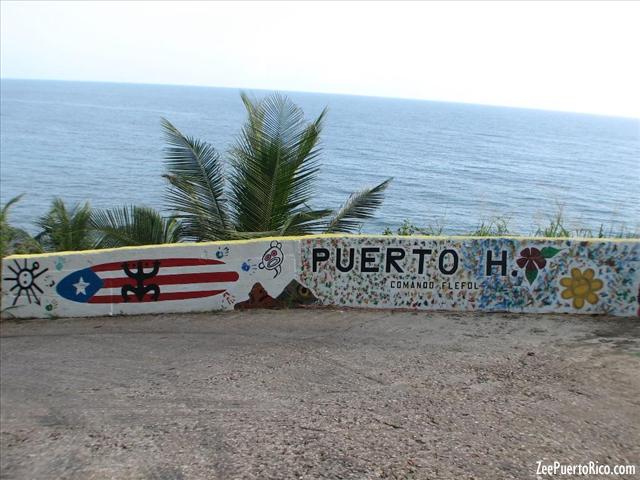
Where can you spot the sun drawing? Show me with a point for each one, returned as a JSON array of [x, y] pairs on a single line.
[[26, 280]]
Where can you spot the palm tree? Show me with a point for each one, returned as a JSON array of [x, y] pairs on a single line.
[[81, 228], [66, 229], [273, 167], [12, 239], [133, 225]]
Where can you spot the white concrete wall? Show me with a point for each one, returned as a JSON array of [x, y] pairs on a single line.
[[190, 277], [424, 273], [468, 274]]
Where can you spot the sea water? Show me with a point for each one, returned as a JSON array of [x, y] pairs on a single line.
[[452, 164]]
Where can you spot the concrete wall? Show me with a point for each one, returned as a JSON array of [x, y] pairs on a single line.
[[424, 273]]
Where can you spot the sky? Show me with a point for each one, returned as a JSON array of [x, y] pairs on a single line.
[[573, 56]]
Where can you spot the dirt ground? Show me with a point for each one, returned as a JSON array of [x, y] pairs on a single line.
[[317, 394]]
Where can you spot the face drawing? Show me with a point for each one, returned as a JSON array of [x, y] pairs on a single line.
[[272, 259]]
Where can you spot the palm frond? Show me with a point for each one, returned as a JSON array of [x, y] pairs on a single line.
[[15, 240], [134, 225], [236, 235], [4, 212], [66, 229], [360, 206], [306, 222], [274, 164], [196, 192]]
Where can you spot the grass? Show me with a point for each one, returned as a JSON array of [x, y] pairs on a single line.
[[496, 227], [407, 228], [556, 227]]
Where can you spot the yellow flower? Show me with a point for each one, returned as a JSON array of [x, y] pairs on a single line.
[[581, 286]]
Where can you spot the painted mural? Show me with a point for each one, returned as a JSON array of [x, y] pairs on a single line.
[[176, 278], [486, 274], [421, 273]]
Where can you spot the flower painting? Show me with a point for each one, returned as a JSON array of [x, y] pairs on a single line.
[[581, 286], [532, 260]]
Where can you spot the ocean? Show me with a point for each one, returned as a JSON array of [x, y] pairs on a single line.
[[453, 164]]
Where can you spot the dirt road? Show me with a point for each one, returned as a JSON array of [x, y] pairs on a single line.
[[317, 394]]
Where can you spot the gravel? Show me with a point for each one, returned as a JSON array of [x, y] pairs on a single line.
[[340, 394]]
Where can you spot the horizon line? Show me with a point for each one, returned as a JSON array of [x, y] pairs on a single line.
[[168, 84]]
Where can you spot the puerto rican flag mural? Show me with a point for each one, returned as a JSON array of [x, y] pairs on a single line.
[[198, 277], [148, 280]]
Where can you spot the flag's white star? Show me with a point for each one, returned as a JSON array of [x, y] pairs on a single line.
[[81, 287]]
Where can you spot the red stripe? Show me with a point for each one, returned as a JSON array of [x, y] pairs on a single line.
[[164, 262], [177, 279], [149, 298]]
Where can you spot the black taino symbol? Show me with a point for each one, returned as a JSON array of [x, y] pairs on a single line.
[[140, 290], [26, 280]]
